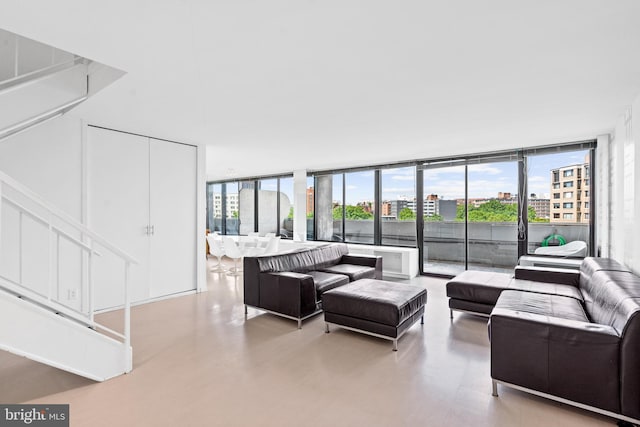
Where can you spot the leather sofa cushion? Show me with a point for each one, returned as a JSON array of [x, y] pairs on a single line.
[[612, 297], [298, 262], [378, 301], [590, 265], [485, 287], [355, 272], [327, 281], [541, 304], [327, 255], [303, 260]]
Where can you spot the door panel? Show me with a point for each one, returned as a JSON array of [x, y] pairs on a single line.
[[173, 217], [118, 202]]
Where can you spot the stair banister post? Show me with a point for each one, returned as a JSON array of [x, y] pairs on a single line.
[[90, 292]]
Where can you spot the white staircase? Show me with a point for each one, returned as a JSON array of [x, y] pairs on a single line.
[[47, 257], [39, 320]]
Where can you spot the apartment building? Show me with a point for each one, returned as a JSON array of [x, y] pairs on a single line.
[[570, 201]]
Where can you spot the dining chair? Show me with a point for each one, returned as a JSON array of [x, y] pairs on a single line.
[[232, 251], [217, 250]]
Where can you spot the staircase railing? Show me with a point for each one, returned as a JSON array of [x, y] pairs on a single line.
[[61, 227]]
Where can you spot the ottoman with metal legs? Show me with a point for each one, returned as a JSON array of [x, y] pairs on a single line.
[[375, 307]]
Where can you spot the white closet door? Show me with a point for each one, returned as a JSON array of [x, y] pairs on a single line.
[[173, 217], [118, 204]]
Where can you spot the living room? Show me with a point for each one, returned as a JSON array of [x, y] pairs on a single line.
[[327, 97]]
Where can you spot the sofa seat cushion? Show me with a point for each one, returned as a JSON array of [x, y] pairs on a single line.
[[485, 287], [377, 301], [478, 286], [548, 305], [327, 281], [355, 272]]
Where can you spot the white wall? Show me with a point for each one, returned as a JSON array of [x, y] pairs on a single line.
[[620, 226], [49, 159]]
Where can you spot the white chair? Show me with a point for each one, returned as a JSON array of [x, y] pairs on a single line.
[[272, 245], [271, 248], [269, 235], [217, 250], [232, 251], [577, 248]]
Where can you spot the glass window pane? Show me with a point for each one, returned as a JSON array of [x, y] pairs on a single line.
[[232, 207], [310, 206], [267, 206], [564, 216], [336, 210], [493, 216], [359, 209], [328, 207], [444, 250], [399, 206], [246, 209], [214, 208], [286, 208]]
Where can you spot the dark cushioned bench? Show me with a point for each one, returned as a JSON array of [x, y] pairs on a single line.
[[478, 291], [375, 307]]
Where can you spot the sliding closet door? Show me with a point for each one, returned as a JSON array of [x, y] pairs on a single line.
[[118, 203], [172, 217]]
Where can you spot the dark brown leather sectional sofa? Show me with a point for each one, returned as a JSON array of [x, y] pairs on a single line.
[[291, 285], [581, 349]]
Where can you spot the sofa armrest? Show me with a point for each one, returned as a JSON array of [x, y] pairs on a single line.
[[572, 359], [374, 261], [564, 276], [288, 293]]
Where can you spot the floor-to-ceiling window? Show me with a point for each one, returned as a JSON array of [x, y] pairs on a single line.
[[310, 207], [444, 242], [492, 215], [214, 208], [247, 207], [359, 206], [268, 206], [286, 207], [232, 207], [559, 203], [399, 206], [471, 212]]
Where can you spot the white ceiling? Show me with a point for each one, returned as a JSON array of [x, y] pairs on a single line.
[[281, 85]]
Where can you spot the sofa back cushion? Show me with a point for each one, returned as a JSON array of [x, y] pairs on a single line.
[[296, 262], [590, 265], [303, 260], [328, 255]]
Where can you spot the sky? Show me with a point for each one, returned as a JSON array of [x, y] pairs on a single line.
[[485, 180]]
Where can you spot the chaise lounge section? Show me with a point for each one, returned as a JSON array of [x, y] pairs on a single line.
[[291, 285], [580, 351]]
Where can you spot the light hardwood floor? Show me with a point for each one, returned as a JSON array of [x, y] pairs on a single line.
[[197, 362]]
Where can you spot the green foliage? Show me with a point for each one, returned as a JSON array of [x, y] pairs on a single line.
[[433, 218], [290, 216], [406, 214], [309, 215], [337, 213], [234, 214], [352, 212], [494, 211]]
